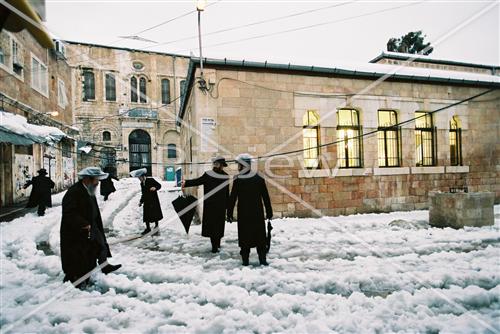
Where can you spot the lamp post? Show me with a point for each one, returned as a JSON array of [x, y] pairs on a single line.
[[200, 6]]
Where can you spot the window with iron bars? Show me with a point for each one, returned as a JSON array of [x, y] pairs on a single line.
[[311, 135], [455, 141], [425, 139], [389, 149], [349, 145]]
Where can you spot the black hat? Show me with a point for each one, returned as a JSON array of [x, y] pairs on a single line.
[[220, 160], [42, 171]]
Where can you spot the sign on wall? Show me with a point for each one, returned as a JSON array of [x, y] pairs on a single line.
[[22, 173], [69, 171], [208, 135]]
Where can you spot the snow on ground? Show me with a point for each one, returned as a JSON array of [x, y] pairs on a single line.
[[362, 273]]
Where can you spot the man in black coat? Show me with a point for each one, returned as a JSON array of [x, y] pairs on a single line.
[[216, 193], [107, 186], [82, 234], [250, 190], [41, 191], [152, 210]]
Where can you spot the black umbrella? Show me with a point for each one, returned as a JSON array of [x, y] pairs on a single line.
[[269, 229], [185, 208]]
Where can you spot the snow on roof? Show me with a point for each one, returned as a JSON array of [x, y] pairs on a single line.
[[37, 133], [429, 59]]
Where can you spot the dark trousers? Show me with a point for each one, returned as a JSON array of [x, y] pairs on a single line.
[[245, 252], [215, 242], [98, 239], [41, 209], [106, 197]]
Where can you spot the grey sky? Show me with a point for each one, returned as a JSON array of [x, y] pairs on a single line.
[[350, 38]]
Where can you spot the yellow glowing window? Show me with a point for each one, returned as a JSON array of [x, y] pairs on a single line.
[[310, 133], [424, 139], [455, 141], [388, 139], [348, 138]]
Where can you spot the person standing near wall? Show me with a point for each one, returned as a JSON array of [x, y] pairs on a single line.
[[216, 193], [41, 191], [250, 191]]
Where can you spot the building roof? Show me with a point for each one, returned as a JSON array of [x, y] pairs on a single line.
[[431, 60], [362, 71], [125, 49]]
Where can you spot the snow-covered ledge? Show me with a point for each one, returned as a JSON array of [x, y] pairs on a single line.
[[337, 172], [428, 170], [391, 171], [308, 173], [457, 169]]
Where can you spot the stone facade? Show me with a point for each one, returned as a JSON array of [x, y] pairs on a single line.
[[121, 117], [35, 83], [260, 110]]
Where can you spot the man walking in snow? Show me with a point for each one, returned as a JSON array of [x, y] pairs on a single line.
[[41, 191], [107, 186], [216, 193], [250, 190], [152, 210], [82, 234]]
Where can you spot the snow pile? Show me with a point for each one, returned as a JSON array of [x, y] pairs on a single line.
[[363, 273], [37, 133]]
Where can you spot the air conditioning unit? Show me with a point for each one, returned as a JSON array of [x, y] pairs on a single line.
[[60, 49]]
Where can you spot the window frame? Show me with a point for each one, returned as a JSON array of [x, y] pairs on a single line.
[[429, 129], [457, 131], [105, 77], [384, 130], [164, 101], [357, 138], [84, 85], [38, 74], [134, 96], [14, 41], [316, 150], [104, 133], [171, 147], [143, 97]]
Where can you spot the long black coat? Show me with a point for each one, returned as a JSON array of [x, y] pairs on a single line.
[[216, 195], [78, 253], [107, 186], [149, 199], [41, 191], [250, 190]]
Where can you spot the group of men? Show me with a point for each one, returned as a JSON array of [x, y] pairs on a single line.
[[83, 240]]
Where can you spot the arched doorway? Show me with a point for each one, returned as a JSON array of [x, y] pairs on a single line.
[[139, 143]]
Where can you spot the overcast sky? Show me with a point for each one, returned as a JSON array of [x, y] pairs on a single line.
[[345, 31]]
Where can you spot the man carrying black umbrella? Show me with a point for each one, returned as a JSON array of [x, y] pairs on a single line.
[[216, 193], [250, 190], [41, 192]]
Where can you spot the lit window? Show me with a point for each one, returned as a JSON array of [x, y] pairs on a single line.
[[110, 83], [133, 89], [106, 136], [39, 76], [88, 85], [310, 133], [388, 139], [424, 139], [455, 141], [348, 136], [165, 91], [142, 89], [171, 151]]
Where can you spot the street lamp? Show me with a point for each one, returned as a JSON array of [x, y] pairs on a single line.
[[200, 6]]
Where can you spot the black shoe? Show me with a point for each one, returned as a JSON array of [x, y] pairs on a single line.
[[110, 268], [245, 262], [156, 232], [146, 231], [263, 263]]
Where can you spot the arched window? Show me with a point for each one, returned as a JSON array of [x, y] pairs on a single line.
[[142, 89], [171, 151], [455, 141], [348, 136], [310, 133], [165, 91], [88, 85], [106, 136], [388, 139], [424, 139], [133, 89]]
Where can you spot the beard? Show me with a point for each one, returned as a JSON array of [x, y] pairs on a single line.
[[91, 188]]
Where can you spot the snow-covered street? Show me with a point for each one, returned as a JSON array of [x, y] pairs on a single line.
[[362, 273]]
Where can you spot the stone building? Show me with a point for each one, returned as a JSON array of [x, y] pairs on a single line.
[[356, 145], [35, 84], [126, 102]]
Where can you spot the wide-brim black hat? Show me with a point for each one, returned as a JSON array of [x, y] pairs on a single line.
[[220, 160], [42, 171]]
